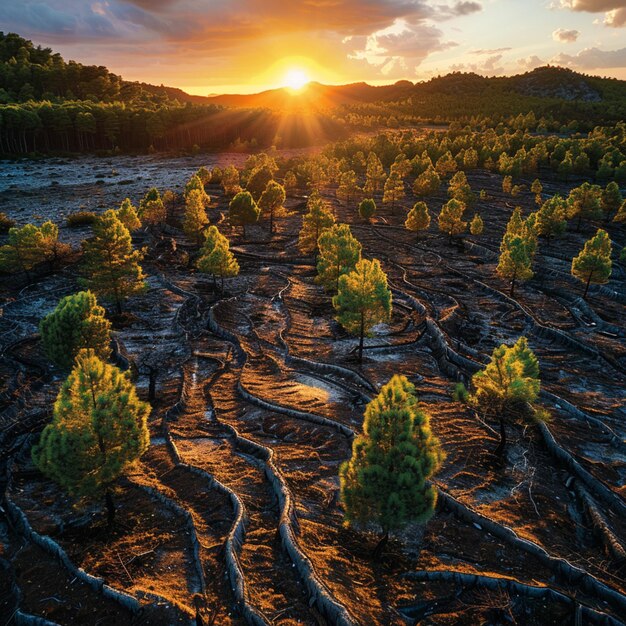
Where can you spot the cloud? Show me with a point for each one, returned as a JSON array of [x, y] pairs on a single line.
[[398, 50], [563, 35], [614, 10], [593, 59], [616, 18], [489, 67], [530, 63], [490, 51]]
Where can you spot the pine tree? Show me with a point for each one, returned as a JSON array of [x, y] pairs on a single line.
[[258, 181], [517, 249], [515, 262], [537, 188], [611, 200], [507, 385], [76, 323], [243, 210], [195, 184], [111, 265], [339, 252], [272, 200], [205, 176], [620, 216], [459, 189], [593, 263], [374, 174], [394, 190], [401, 166], [127, 214], [476, 225], [363, 300], [348, 188], [451, 219], [98, 430], [195, 218], [551, 218], [367, 209], [446, 164], [584, 203], [30, 245], [418, 218], [151, 208], [427, 183], [507, 184], [216, 258], [290, 182], [230, 180], [317, 218], [386, 481]]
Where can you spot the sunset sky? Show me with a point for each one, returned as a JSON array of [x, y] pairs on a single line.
[[217, 46]]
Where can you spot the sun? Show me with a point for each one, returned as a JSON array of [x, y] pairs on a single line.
[[296, 79]]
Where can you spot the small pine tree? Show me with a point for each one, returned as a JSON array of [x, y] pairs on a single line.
[[151, 208], [374, 174], [418, 218], [290, 182], [98, 430], [76, 323], [451, 219], [216, 258], [317, 218], [243, 210], [620, 216], [111, 265], [394, 190], [258, 181], [195, 184], [515, 262], [507, 184], [348, 188], [537, 188], [427, 183], [230, 180], [593, 263], [446, 164], [367, 209], [551, 218], [204, 175], [507, 385], [272, 200], [127, 214], [386, 481], [363, 300], [195, 218], [29, 246], [459, 189], [611, 200], [339, 252], [584, 203], [476, 225]]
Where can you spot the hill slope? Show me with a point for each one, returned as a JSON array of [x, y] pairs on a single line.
[[544, 82]]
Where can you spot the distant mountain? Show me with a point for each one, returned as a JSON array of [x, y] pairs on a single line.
[[543, 82]]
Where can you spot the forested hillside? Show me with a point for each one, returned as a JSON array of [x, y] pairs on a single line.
[[49, 105]]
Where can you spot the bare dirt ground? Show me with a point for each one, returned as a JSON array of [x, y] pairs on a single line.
[[233, 517]]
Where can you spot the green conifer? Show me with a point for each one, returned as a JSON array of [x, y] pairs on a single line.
[[76, 323]]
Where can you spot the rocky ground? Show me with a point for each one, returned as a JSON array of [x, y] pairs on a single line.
[[232, 516]]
